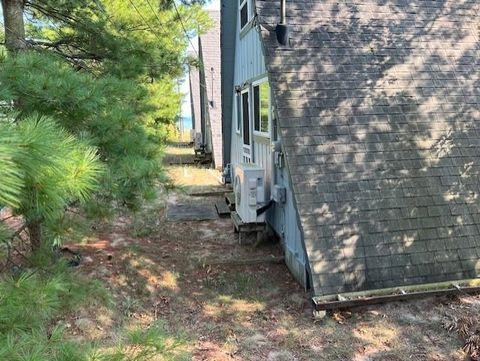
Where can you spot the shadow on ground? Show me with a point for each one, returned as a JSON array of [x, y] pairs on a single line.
[[181, 273]]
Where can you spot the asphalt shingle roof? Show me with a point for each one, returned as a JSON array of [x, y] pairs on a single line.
[[378, 104]]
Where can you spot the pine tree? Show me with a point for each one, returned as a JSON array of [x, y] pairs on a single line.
[[106, 72], [45, 169]]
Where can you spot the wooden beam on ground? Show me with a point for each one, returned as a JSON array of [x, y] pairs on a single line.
[[207, 194], [243, 262], [222, 209], [357, 299], [181, 162], [245, 228], [181, 144], [230, 199]]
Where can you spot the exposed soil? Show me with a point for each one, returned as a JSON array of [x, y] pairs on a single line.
[[160, 270]]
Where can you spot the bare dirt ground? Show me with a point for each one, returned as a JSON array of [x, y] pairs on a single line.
[[159, 270]]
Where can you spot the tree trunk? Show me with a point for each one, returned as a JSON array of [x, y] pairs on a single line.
[[35, 233], [14, 25]]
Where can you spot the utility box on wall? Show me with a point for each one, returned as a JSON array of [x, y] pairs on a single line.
[[279, 194]]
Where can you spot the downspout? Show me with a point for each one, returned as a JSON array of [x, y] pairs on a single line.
[[282, 28], [283, 11]]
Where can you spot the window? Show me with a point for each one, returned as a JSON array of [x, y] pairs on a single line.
[[244, 13], [239, 112], [245, 119], [261, 108]]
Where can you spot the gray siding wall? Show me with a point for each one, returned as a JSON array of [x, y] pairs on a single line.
[[284, 220], [250, 67], [228, 25]]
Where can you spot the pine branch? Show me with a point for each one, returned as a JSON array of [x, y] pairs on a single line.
[[52, 13], [46, 43]]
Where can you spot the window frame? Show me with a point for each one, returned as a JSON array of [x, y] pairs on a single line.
[[242, 126], [248, 4], [260, 133]]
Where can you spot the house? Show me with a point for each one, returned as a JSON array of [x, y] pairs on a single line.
[[205, 93], [369, 116]]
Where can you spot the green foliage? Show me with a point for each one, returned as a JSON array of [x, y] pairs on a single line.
[[153, 343], [124, 38], [29, 305], [45, 169], [40, 345], [5, 234], [57, 291], [108, 72], [10, 172], [32, 304], [94, 99], [106, 111]]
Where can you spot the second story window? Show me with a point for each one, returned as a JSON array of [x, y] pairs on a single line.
[[244, 13]]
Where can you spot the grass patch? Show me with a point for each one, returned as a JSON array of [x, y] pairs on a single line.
[[153, 343], [146, 223], [34, 306], [236, 284]]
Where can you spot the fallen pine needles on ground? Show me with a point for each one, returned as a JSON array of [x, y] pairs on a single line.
[[465, 321]]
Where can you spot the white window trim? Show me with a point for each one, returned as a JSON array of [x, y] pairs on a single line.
[[259, 133], [249, 14]]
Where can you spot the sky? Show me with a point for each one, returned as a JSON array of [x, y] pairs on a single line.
[[186, 108]]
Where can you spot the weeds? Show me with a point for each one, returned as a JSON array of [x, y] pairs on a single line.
[[33, 308], [30, 308], [236, 284], [154, 343], [147, 221]]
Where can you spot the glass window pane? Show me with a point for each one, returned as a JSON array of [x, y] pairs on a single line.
[[246, 119], [239, 112], [244, 15], [256, 108], [265, 108]]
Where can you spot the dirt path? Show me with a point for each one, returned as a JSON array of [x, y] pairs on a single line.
[[158, 270]]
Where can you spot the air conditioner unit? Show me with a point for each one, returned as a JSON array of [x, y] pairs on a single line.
[[227, 174], [198, 141], [249, 188]]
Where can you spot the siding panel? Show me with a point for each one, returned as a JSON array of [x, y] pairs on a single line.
[[249, 66]]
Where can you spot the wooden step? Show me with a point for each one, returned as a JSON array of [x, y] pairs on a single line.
[[230, 199], [222, 209]]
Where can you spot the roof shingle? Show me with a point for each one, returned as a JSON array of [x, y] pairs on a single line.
[[379, 110]]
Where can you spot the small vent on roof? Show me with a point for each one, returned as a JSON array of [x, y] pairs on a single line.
[[282, 28]]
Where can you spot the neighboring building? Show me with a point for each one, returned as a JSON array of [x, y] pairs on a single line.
[[374, 112], [205, 92]]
